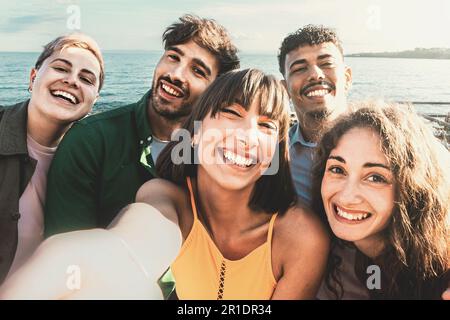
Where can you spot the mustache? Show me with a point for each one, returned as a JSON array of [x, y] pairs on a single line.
[[323, 83], [176, 83]]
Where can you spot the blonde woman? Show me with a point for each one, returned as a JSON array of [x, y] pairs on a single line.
[[64, 85]]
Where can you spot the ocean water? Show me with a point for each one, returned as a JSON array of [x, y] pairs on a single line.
[[129, 75]]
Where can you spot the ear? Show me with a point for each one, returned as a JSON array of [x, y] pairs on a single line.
[[348, 79], [284, 83], [33, 73]]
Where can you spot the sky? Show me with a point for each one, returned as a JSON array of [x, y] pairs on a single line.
[[257, 26]]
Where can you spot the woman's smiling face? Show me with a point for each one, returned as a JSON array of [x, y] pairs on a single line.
[[65, 87], [237, 145], [358, 188]]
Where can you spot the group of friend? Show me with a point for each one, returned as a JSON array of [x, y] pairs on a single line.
[[355, 185]]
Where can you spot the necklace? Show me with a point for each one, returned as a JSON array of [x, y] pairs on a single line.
[[161, 141]]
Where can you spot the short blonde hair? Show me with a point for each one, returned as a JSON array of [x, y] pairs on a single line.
[[78, 40]]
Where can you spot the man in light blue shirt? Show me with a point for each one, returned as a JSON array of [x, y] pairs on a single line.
[[301, 153], [311, 61]]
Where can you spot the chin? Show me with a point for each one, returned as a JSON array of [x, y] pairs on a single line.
[[350, 234], [347, 236], [70, 115], [234, 183]]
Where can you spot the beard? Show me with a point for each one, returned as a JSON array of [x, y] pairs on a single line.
[[166, 109], [319, 115]]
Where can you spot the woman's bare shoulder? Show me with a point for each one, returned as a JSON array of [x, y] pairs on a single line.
[[157, 188], [300, 226], [300, 251]]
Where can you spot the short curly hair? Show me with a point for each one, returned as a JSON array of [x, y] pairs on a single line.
[[309, 35], [206, 33]]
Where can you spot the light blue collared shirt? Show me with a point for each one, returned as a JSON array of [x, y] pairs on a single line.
[[301, 153], [157, 147]]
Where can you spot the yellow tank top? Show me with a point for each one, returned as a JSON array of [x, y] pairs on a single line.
[[201, 272]]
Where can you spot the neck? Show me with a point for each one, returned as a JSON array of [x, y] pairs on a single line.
[[162, 127], [224, 209], [45, 131], [311, 128], [372, 246]]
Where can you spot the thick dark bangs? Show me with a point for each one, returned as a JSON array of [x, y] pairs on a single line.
[[274, 103], [244, 87]]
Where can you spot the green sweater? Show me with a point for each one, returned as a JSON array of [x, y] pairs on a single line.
[[96, 170]]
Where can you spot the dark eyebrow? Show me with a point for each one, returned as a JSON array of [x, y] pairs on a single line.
[[303, 61], [371, 165], [298, 61], [366, 165], [196, 60], [337, 158], [70, 64], [176, 49], [62, 60], [324, 56]]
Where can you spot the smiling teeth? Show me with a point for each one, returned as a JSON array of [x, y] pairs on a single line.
[[237, 159], [170, 90], [352, 217], [65, 95], [317, 93]]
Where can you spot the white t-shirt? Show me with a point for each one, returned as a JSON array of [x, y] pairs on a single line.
[[31, 205]]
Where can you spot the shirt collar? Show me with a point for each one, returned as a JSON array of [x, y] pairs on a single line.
[[296, 136], [13, 130]]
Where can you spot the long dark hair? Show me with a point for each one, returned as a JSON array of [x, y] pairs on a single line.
[[415, 261], [272, 193]]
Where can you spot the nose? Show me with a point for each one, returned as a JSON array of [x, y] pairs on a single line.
[[350, 194], [315, 73], [248, 134], [71, 80], [178, 74]]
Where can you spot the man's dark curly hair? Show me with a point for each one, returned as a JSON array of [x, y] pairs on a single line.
[[309, 35], [208, 34]]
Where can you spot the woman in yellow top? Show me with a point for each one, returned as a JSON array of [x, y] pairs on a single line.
[[243, 235]]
